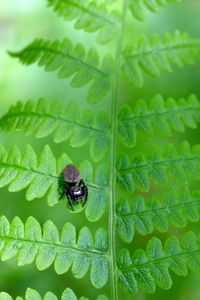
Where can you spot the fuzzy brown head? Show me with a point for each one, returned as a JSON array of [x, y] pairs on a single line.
[[71, 174]]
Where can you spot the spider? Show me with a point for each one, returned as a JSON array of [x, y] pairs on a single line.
[[74, 187]]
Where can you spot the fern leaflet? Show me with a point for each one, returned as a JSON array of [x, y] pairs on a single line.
[[40, 119], [90, 16], [158, 167], [176, 209], [67, 294], [71, 61], [28, 244], [138, 7], [41, 176], [161, 116], [146, 270], [151, 56]]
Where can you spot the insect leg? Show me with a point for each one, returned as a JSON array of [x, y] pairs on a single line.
[[61, 185], [62, 195], [81, 182], [69, 200], [85, 192]]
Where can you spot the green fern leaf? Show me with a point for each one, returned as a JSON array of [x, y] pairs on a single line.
[[176, 209], [158, 167], [6, 296], [40, 119], [29, 243], [139, 7], [160, 117], [71, 61], [89, 16], [146, 270], [151, 56], [68, 294], [41, 176]]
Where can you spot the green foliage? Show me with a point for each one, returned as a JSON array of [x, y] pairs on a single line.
[[40, 119], [68, 294], [158, 166], [96, 128], [176, 209], [29, 243], [90, 16], [41, 176], [160, 117], [138, 7], [68, 123], [155, 54], [71, 61], [146, 270]]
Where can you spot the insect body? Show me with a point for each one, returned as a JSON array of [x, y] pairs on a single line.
[[74, 187]]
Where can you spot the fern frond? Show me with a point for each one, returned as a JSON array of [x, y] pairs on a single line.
[[146, 270], [41, 119], [42, 176], [138, 7], [29, 243], [90, 16], [158, 167], [158, 54], [71, 61], [176, 209], [68, 294], [160, 117]]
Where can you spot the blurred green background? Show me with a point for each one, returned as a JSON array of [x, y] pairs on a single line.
[[22, 21]]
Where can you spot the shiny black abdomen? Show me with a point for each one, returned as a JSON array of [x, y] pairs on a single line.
[[76, 192]]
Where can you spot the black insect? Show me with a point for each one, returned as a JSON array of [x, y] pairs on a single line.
[[74, 187]]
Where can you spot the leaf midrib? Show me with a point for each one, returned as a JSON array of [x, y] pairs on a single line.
[[159, 162], [54, 177], [159, 260], [53, 245], [90, 12], [63, 54], [157, 113], [162, 49], [166, 208], [48, 116]]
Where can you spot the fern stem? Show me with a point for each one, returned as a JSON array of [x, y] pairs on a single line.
[[112, 219]]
